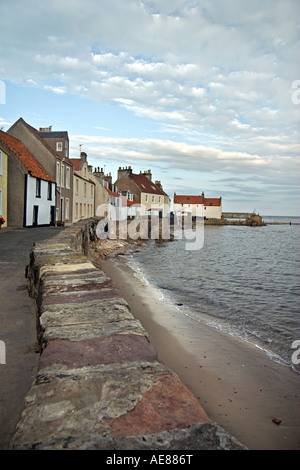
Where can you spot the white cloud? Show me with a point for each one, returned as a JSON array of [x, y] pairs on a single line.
[[214, 74]]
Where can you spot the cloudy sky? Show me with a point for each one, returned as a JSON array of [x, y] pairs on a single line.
[[206, 93]]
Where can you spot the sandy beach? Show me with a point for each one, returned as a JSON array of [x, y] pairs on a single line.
[[237, 384]]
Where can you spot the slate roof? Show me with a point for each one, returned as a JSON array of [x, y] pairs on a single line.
[[17, 148], [147, 186], [54, 134]]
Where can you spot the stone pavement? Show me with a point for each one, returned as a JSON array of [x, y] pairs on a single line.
[[17, 324], [99, 383]]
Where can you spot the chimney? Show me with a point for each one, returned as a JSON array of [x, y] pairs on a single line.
[[158, 184], [83, 157], [124, 172], [148, 174], [108, 178], [99, 173]]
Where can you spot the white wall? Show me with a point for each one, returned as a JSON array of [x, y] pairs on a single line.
[[44, 205]]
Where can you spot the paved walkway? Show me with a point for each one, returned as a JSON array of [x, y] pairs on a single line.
[[17, 324]]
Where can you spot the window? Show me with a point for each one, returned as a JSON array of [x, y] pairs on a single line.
[[92, 190], [153, 198], [146, 198], [77, 186], [38, 188], [68, 177], [67, 207], [0, 201], [62, 176], [58, 173], [0, 162], [159, 199], [59, 146], [49, 191], [76, 210], [66, 149], [84, 189]]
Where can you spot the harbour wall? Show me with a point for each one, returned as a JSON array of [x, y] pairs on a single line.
[[100, 384]]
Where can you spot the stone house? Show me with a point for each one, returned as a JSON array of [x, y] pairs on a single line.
[[58, 167], [139, 188], [84, 189], [30, 189]]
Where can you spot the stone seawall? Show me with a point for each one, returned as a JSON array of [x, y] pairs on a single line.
[[100, 384]]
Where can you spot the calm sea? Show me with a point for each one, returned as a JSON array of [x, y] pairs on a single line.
[[245, 281]]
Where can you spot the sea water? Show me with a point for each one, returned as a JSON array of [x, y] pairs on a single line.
[[244, 281]]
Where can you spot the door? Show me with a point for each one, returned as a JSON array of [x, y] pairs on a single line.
[[35, 216], [52, 215]]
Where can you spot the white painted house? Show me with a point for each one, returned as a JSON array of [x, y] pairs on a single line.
[[30, 190]]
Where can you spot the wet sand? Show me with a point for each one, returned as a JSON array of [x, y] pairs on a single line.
[[237, 384]]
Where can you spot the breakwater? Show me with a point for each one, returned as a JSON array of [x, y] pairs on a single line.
[[100, 384]]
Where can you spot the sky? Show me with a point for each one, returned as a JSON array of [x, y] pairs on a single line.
[[205, 93]]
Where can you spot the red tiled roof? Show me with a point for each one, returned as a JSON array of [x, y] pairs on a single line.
[[111, 193], [212, 201], [147, 186], [28, 160], [76, 162], [188, 199]]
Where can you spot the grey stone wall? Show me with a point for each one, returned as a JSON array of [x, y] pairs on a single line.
[[100, 384]]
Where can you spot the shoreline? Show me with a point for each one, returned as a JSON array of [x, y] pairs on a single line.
[[238, 385]]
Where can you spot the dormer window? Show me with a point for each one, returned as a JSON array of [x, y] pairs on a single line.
[[59, 146]]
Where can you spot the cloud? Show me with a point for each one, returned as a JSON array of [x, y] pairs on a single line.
[[213, 78]]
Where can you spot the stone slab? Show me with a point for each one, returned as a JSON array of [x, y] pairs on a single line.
[[106, 311], [108, 350], [70, 402], [80, 332]]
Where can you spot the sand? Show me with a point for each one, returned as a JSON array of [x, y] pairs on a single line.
[[237, 384]]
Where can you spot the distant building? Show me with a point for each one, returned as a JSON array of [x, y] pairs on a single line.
[[84, 189], [198, 206], [56, 164], [213, 208], [144, 193], [106, 191], [30, 189], [189, 205]]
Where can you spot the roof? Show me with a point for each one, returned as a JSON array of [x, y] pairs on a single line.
[[54, 134], [212, 201], [36, 133], [20, 151], [147, 186], [188, 199], [111, 193], [76, 162]]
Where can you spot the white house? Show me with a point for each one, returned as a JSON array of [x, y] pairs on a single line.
[[30, 190], [213, 208], [188, 205]]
